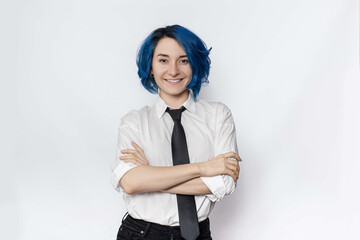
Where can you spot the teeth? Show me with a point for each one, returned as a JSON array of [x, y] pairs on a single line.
[[173, 80]]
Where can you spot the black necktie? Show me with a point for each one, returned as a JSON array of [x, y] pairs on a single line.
[[189, 225]]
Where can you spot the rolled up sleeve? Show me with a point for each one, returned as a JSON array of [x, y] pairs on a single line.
[[216, 186], [127, 132], [224, 141]]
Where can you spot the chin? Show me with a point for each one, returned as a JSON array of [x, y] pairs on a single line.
[[174, 92]]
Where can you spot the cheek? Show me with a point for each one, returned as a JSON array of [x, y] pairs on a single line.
[[157, 69], [187, 70]]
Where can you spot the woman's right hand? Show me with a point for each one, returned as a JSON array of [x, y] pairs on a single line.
[[221, 164]]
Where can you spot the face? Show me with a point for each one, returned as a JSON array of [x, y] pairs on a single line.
[[171, 68]]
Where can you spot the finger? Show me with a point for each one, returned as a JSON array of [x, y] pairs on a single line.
[[134, 158], [231, 174], [235, 175], [234, 169], [125, 157], [139, 157], [132, 151], [232, 162], [237, 172], [231, 165], [130, 157], [236, 156], [134, 161], [137, 147], [134, 154], [131, 161], [129, 151], [140, 151], [232, 155], [143, 161]]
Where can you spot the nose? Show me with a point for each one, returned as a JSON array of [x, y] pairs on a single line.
[[173, 69]]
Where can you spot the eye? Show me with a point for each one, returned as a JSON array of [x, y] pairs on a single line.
[[162, 60], [184, 61]]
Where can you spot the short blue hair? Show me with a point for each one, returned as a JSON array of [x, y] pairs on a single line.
[[195, 48]]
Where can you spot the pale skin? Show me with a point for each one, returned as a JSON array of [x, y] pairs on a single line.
[[170, 63], [181, 179]]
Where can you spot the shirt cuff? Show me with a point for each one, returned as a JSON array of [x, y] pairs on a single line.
[[118, 173], [216, 186]]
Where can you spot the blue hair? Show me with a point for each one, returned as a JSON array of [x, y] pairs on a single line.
[[196, 51]]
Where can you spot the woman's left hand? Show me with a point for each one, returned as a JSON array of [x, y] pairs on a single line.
[[135, 156]]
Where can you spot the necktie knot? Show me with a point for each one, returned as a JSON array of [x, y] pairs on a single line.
[[175, 113]]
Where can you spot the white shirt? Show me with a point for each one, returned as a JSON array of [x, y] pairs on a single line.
[[210, 131]]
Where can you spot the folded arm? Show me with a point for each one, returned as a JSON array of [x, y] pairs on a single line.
[[194, 186], [132, 173], [180, 179], [152, 179], [216, 187]]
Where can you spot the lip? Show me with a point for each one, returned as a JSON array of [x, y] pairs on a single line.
[[174, 83]]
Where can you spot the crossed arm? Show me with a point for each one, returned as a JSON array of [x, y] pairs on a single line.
[[180, 179]]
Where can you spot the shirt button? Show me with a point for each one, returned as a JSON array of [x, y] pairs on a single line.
[[142, 232]]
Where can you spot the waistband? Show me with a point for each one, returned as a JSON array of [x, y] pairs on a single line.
[[130, 221]]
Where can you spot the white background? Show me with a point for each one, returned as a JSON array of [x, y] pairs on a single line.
[[288, 70]]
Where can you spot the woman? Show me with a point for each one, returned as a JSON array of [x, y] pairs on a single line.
[[176, 158]]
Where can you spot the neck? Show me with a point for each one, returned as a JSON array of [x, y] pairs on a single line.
[[175, 101]]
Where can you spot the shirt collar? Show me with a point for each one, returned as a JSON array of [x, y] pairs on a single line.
[[160, 105]]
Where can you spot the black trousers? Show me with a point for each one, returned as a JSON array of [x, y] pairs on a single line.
[[134, 229]]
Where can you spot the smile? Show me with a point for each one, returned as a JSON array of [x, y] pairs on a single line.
[[173, 80]]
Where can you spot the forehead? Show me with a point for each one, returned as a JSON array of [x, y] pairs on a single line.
[[169, 46]]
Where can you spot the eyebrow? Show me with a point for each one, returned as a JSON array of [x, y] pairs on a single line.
[[165, 55]]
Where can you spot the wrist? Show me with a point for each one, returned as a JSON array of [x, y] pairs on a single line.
[[199, 168]]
